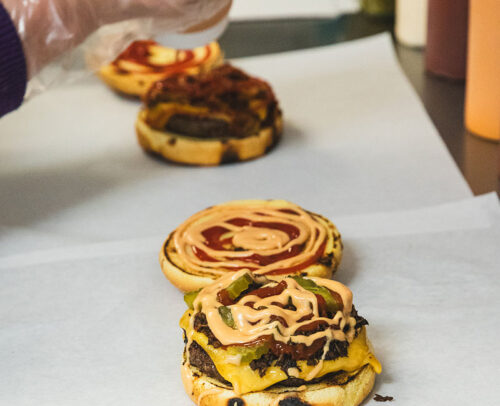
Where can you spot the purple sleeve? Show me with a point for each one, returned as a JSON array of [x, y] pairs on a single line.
[[13, 75]]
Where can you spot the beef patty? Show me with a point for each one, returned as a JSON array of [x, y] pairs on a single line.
[[201, 360]]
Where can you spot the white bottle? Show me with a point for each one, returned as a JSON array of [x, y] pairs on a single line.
[[411, 22]]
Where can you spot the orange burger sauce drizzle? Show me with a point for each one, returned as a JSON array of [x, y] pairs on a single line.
[[296, 351], [213, 240], [266, 240], [285, 316], [139, 53]]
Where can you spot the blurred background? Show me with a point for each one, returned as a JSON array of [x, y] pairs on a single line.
[[441, 45]]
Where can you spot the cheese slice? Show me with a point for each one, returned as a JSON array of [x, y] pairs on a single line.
[[244, 379]]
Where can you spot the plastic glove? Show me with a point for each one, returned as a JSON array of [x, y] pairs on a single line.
[[48, 28]]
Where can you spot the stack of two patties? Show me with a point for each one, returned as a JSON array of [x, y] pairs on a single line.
[[197, 110]]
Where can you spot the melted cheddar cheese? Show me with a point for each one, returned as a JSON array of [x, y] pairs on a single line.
[[244, 379]]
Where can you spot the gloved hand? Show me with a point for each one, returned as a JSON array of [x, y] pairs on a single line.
[[48, 28]]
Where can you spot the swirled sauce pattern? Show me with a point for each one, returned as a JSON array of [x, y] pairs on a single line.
[[287, 317], [255, 317], [150, 57], [266, 237], [258, 332]]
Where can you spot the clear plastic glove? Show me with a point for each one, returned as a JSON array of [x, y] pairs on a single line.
[[49, 28]]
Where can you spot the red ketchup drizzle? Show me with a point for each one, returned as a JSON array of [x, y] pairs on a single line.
[[264, 260], [223, 297], [203, 255], [213, 237], [299, 267], [313, 326], [321, 306], [292, 231], [138, 52], [268, 291], [297, 351], [213, 240]]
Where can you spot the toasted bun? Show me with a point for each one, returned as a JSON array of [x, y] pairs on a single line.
[[206, 152], [131, 84], [187, 282], [134, 79], [181, 279], [205, 391]]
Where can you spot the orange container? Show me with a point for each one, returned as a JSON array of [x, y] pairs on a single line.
[[482, 98]]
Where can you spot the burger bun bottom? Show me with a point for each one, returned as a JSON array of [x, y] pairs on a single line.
[[205, 391]]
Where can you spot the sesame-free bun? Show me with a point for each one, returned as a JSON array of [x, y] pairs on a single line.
[[206, 152], [205, 391], [185, 279]]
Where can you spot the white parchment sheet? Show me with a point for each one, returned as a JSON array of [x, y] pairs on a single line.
[[244, 10], [356, 141], [468, 214], [96, 327]]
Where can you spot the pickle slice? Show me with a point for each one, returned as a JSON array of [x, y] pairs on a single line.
[[227, 316], [190, 297], [239, 285], [248, 354], [332, 304]]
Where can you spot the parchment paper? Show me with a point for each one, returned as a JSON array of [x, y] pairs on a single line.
[[244, 10], [99, 327], [468, 214], [356, 141]]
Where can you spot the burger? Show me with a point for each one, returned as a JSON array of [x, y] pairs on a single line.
[[221, 116], [252, 341]]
